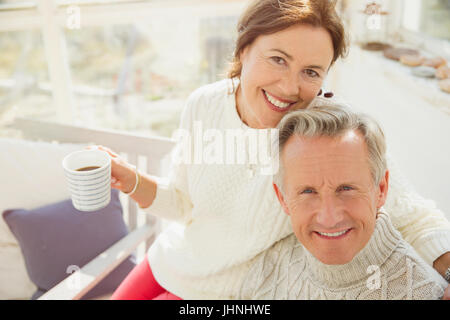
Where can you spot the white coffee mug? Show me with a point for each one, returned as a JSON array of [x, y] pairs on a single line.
[[88, 174]]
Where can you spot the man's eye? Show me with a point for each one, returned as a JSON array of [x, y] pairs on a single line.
[[311, 73], [278, 60], [307, 191], [346, 188]]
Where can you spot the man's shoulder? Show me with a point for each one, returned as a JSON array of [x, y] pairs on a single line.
[[261, 281], [270, 257], [409, 277], [287, 245]]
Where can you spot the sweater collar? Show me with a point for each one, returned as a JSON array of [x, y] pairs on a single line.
[[233, 85], [383, 242]]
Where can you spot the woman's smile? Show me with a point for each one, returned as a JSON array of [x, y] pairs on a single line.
[[277, 104]]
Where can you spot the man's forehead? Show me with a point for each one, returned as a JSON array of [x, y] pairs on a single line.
[[314, 161], [351, 143]]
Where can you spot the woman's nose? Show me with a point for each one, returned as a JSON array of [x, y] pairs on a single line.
[[290, 86]]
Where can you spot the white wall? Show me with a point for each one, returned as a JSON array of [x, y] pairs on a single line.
[[414, 114]]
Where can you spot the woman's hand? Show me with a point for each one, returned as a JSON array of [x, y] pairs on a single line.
[[123, 176]]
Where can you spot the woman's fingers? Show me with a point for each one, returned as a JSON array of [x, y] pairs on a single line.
[[120, 170], [111, 153], [103, 148], [116, 184]]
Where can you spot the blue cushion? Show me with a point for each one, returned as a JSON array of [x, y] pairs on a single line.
[[56, 239]]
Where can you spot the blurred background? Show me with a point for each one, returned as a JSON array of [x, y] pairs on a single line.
[[130, 65]]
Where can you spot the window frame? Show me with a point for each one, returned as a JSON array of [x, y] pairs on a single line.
[[419, 39]]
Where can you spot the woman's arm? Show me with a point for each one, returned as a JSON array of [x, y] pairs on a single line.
[[170, 198], [151, 194], [145, 192], [421, 224], [166, 199]]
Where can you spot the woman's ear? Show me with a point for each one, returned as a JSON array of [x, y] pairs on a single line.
[[281, 199], [242, 55], [383, 188]]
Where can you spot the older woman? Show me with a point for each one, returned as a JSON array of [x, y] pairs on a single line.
[[228, 213], [333, 185]]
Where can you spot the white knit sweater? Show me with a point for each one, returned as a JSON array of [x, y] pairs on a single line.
[[226, 216], [387, 268]]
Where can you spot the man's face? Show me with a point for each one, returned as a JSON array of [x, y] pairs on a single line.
[[330, 194]]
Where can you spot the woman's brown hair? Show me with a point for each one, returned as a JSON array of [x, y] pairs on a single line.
[[264, 17]]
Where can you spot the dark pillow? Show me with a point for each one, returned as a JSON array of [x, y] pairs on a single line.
[[54, 237]]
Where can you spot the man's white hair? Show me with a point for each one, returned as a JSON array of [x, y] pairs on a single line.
[[332, 119]]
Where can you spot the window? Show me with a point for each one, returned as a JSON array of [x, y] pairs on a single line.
[[431, 17], [24, 81], [426, 24], [16, 4], [128, 65]]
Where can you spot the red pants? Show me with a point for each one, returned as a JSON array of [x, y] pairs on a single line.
[[141, 285]]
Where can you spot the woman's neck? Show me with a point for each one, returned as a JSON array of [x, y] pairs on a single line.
[[243, 111]]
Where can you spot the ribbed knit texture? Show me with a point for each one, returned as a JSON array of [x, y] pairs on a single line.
[[289, 271], [226, 217]]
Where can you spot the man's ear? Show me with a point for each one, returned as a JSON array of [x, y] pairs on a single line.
[[383, 187], [281, 199]]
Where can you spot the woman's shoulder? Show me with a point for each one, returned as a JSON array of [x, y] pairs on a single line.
[[335, 100], [211, 91], [207, 97]]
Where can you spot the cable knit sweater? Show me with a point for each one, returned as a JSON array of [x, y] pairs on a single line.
[[227, 216], [387, 268]]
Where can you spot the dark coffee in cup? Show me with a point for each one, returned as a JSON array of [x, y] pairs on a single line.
[[87, 168], [89, 187]]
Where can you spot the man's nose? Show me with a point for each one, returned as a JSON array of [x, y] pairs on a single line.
[[330, 213]]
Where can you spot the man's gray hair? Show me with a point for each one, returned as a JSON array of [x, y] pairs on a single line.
[[332, 119]]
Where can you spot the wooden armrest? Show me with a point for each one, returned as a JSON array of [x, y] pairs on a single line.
[[81, 281]]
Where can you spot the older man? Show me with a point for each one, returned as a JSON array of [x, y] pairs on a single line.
[[333, 182]]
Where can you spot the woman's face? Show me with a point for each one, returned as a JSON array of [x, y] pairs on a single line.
[[281, 72]]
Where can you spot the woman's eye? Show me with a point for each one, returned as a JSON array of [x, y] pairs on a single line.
[[346, 188], [278, 60], [311, 73]]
